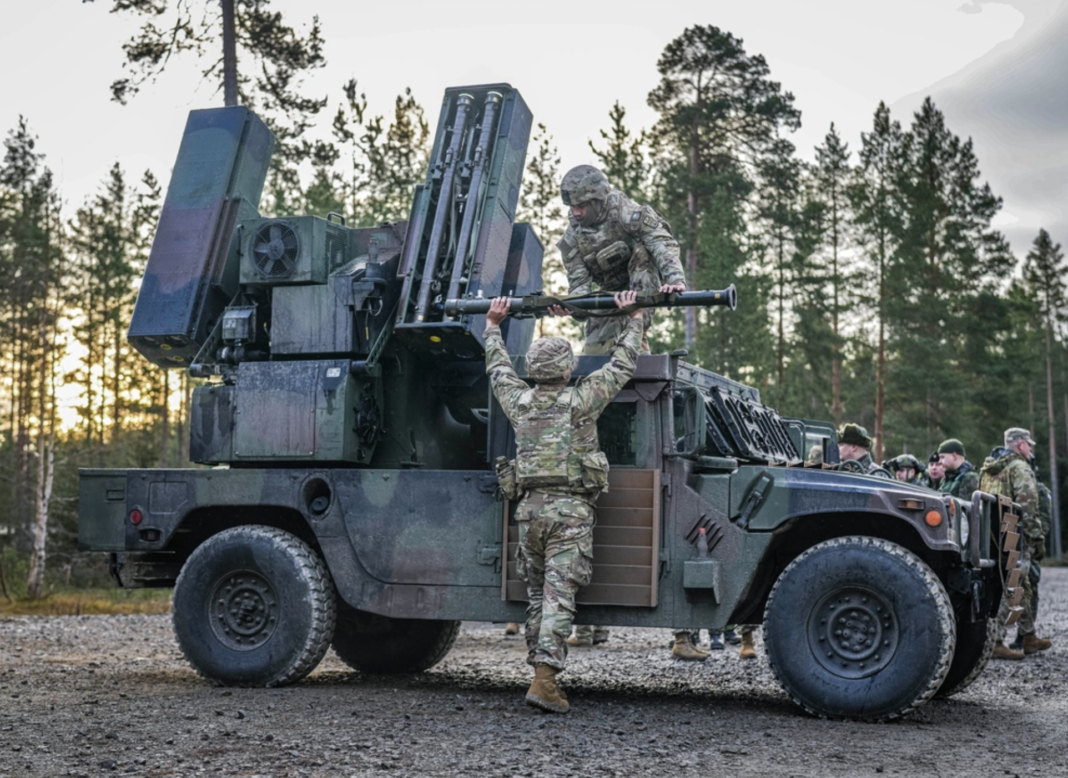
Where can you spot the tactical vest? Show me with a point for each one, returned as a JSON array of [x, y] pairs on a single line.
[[546, 455]]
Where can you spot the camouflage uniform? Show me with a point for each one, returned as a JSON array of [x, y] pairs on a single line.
[[1006, 472], [630, 247], [855, 435], [961, 483], [555, 554], [1045, 518]]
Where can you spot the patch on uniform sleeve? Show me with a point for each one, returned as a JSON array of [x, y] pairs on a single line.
[[650, 220], [635, 216]]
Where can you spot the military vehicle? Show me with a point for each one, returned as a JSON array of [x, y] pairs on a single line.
[[347, 435]]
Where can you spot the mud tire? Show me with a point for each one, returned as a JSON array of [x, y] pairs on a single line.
[[859, 628], [378, 644], [254, 606], [975, 644]]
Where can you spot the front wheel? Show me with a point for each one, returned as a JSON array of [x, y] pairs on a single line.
[[254, 606], [975, 644], [859, 628]]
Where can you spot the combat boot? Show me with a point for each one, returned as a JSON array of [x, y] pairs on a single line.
[[748, 650], [512, 628], [544, 693], [581, 636], [732, 637], [715, 641], [1001, 651], [685, 650], [1033, 643]]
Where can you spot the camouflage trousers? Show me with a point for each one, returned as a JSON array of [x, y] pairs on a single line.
[[596, 633], [555, 559], [1034, 576], [602, 331], [1026, 623]]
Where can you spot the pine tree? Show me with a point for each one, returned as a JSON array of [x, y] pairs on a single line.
[[719, 113], [623, 158], [1044, 272], [275, 57], [30, 245], [875, 199], [832, 176]]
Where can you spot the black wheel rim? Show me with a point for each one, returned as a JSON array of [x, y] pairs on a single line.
[[244, 610], [853, 632]]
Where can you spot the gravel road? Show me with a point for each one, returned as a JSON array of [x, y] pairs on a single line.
[[104, 695]]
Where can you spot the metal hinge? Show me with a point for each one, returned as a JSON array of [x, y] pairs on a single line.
[[490, 555]]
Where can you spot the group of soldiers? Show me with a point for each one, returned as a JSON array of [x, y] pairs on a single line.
[[625, 248], [1010, 470]]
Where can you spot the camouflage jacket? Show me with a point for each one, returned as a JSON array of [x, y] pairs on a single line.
[[961, 483], [927, 482], [601, 254], [1006, 472], [1045, 508], [588, 398]]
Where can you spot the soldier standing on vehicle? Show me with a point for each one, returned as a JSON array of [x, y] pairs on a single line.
[[559, 471], [853, 445], [616, 244], [1007, 472], [961, 477], [935, 474]]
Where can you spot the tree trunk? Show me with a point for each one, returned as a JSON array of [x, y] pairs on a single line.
[[880, 359], [690, 314], [1053, 483], [836, 359], [165, 437], [229, 54]]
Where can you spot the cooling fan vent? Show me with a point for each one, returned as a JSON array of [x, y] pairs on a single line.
[[275, 248]]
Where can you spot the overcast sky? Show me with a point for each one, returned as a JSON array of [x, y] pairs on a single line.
[[998, 69]]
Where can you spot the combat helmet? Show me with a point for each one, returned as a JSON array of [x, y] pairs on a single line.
[[549, 359], [584, 184]]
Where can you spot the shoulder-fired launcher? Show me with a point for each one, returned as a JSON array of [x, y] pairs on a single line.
[[537, 305]]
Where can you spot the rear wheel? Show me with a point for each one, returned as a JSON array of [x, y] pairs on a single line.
[[379, 644], [975, 644], [254, 606], [859, 628]]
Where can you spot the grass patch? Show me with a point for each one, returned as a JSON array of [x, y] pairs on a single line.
[[78, 602]]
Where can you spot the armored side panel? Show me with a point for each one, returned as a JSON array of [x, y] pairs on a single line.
[[211, 425], [192, 268], [313, 410]]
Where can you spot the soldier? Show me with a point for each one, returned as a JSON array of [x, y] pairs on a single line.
[[853, 445], [1006, 472], [906, 468], [935, 474], [617, 244], [961, 477], [1045, 518], [559, 471]]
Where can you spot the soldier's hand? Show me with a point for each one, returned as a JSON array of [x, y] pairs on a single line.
[[498, 310], [559, 310], [623, 299], [668, 288]]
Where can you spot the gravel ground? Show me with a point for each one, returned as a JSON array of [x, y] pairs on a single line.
[[101, 695]]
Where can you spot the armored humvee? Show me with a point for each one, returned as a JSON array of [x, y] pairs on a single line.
[[346, 433]]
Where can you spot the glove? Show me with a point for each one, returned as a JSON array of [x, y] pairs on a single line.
[[1038, 550]]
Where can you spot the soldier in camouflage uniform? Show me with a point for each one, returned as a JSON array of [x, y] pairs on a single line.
[[1007, 472], [905, 468], [1045, 518], [935, 474], [616, 244], [853, 445], [961, 478], [559, 472]]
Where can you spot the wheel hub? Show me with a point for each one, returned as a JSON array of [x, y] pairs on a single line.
[[853, 632], [244, 610]]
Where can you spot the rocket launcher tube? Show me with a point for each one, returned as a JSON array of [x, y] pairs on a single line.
[[450, 163], [596, 304], [471, 204]]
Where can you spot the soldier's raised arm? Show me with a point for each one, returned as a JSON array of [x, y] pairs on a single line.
[[579, 280], [594, 392], [506, 385], [662, 247]]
